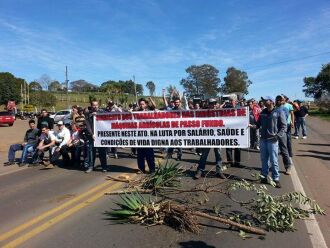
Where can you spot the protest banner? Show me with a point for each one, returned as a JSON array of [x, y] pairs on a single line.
[[181, 128]]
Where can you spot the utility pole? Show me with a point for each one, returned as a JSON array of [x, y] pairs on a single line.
[[22, 99], [67, 85], [24, 92], [136, 101], [28, 94]]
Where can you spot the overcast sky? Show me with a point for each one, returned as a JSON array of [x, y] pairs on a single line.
[[104, 40]]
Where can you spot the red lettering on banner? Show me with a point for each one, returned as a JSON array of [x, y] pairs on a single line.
[[124, 125], [188, 114], [194, 123], [155, 124], [212, 123], [127, 116], [208, 113], [111, 117], [174, 124], [241, 112]]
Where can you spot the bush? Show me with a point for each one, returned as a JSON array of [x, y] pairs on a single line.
[[42, 99]]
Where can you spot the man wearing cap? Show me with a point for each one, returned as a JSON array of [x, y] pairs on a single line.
[[272, 124], [205, 152], [62, 138]]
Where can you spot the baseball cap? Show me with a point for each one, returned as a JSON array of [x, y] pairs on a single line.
[[266, 98], [60, 123]]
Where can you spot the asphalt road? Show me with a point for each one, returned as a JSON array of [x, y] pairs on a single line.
[[65, 207]]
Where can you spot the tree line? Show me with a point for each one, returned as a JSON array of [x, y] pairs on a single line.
[[200, 80]]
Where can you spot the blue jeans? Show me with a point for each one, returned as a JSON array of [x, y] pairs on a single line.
[[12, 150], [205, 153], [28, 148], [90, 155], [269, 156], [18, 147], [289, 141], [300, 122]]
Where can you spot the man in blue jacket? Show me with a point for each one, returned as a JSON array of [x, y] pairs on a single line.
[[272, 124]]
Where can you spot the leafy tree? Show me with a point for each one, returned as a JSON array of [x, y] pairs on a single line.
[[82, 86], [320, 85], [172, 91], [10, 87], [128, 87], [202, 79], [151, 87], [124, 86], [35, 86], [236, 81], [42, 99], [44, 81], [139, 89], [55, 86]]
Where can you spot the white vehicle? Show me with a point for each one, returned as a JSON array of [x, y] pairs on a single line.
[[61, 115]]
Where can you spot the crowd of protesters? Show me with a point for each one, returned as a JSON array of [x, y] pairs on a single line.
[[272, 121]]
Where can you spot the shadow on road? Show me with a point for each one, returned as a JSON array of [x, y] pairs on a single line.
[[197, 244], [315, 151], [314, 144], [313, 156]]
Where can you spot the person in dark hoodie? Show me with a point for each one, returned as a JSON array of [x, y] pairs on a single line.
[[272, 124], [90, 155], [45, 120]]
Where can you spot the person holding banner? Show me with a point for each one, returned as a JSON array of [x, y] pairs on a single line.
[[90, 155], [229, 151], [205, 152], [145, 153], [177, 106], [272, 124]]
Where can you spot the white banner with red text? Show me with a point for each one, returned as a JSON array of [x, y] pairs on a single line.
[[180, 128]]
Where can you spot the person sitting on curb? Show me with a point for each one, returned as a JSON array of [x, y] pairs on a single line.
[[272, 124], [28, 146], [45, 144], [62, 139]]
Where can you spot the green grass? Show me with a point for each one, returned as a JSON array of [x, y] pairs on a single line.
[[324, 115]]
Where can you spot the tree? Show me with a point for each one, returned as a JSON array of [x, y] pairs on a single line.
[[125, 86], [316, 87], [55, 86], [151, 87], [236, 81], [10, 87], [82, 86], [35, 86], [42, 99], [139, 89], [202, 79], [44, 81], [172, 91]]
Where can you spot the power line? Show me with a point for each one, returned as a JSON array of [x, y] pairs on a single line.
[[287, 61]]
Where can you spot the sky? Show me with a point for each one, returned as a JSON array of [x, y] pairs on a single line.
[[277, 43]]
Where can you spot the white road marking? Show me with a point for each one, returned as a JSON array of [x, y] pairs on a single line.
[[313, 227]]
